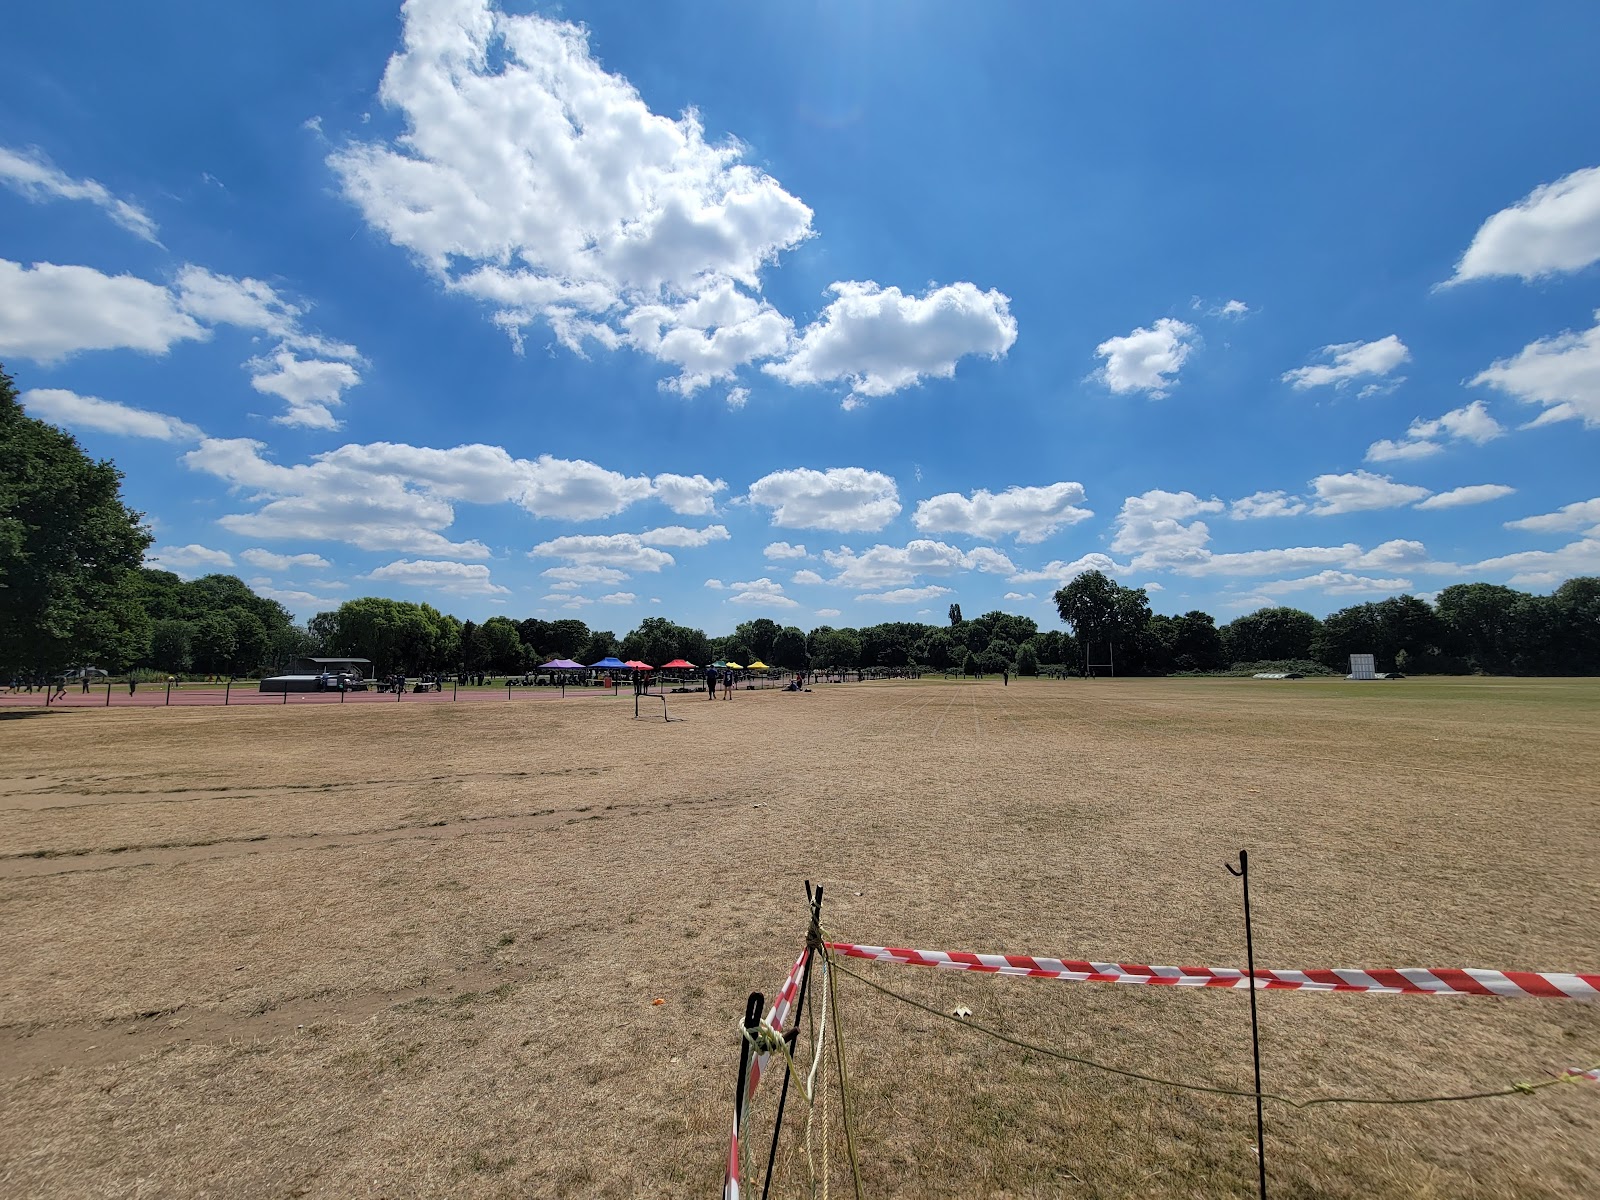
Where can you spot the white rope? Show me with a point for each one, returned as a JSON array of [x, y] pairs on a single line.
[[819, 1054]]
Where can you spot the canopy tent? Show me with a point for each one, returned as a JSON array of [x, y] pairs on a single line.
[[678, 664], [562, 664], [609, 663], [733, 666], [758, 665], [720, 663], [633, 664]]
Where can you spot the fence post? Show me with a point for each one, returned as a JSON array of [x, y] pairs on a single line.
[[286, 693], [454, 684], [1243, 874], [814, 944], [227, 690], [752, 1018], [108, 691], [169, 689]]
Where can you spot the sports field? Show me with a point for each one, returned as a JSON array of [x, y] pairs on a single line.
[[416, 949]]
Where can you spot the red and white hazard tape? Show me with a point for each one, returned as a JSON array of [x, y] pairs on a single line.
[[1579, 1073], [777, 1016], [1407, 981]]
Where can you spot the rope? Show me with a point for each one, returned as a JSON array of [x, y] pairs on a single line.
[[1516, 1089], [844, 1079], [819, 1047]]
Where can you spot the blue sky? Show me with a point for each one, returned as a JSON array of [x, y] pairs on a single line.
[[832, 312]]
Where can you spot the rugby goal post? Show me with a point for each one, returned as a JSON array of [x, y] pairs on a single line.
[[1362, 666], [1097, 670]]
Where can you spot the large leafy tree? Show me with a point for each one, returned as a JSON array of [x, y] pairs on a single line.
[[69, 550], [758, 636], [789, 649], [1483, 624], [502, 644], [1270, 634], [1103, 615]]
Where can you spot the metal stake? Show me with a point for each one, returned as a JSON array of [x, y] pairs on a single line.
[[814, 943], [752, 1018], [1243, 873]]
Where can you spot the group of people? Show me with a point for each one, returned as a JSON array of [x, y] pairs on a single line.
[[716, 675]]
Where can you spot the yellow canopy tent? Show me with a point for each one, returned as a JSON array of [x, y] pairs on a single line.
[[758, 665], [734, 666]]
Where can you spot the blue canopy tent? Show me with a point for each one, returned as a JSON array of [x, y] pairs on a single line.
[[610, 663]]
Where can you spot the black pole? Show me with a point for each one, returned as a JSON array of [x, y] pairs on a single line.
[[814, 944], [752, 1019], [1243, 873], [169, 691]]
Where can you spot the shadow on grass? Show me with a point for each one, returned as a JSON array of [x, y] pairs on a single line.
[[17, 714]]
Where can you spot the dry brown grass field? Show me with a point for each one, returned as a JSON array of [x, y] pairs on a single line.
[[414, 950]]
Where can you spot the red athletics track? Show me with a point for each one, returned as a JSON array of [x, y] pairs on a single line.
[[212, 696]]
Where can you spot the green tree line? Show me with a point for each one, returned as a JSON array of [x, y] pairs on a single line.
[[74, 592]]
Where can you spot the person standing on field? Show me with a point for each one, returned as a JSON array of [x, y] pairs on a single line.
[[711, 683]]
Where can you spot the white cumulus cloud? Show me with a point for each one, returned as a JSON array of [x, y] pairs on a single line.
[[186, 559], [108, 416], [1348, 361], [763, 591], [534, 180], [884, 566], [310, 386], [680, 535], [1336, 583], [1584, 514], [1555, 228], [1159, 530], [839, 499], [1361, 491], [1546, 568], [622, 551], [1146, 360], [1561, 372], [574, 577], [688, 495], [906, 595], [49, 312], [455, 578], [880, 340], [1060, 572], [268, 561], [333, 498], [1266, 504], [1471, 423], [780, 550], [1478, 493], [1030, 514]]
